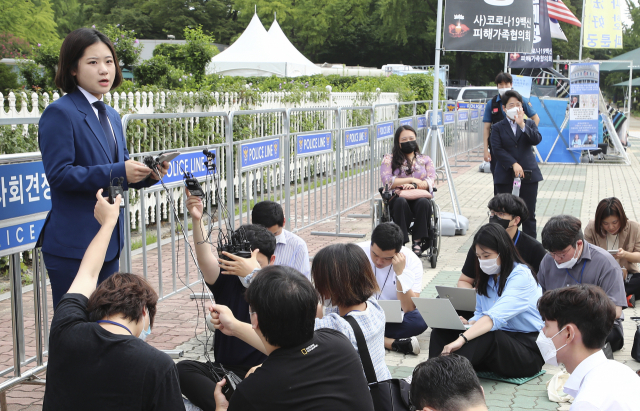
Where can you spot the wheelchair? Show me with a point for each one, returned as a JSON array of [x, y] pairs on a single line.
[[381, 214]]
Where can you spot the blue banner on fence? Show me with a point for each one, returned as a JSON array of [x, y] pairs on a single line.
[[259, 153], [356, 138], [406, 122], [463, 105], [449, 118], [192, 162], [440, 124], [309, 144], [422, 122], [474, 114], [463, 115], [24, 190], [19, 235], [384, 130]]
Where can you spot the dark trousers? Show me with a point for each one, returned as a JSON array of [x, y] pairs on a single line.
[[403, 213], [511, 354], [62, 271], [529, 193], [412, 324], [633, 285], [197, 382], [616, 336]]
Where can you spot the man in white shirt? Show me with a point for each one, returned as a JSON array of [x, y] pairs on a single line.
[[291, 250], [399, 274], [577, 320]]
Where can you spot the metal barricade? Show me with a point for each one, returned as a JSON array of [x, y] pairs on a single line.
[[261, 171], [314, 147], [24, 208], [160, 202]]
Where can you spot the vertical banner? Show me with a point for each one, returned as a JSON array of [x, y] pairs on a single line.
[[602, 24], [583, 105], [541, 55], [489, 25]]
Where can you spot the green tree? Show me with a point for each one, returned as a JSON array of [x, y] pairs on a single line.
[[68, 15], [32, 20], [13, 47], [125, 43], [8, 79]]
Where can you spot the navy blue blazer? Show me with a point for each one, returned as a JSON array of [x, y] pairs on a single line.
[[508, 149], [77, 162]]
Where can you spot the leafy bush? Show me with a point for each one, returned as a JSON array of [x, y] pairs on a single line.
[[13, 47], [33, 77], [8, 79], [192, 58], [124, 42]]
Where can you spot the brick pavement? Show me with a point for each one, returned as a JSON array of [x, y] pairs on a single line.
[[566, 189]]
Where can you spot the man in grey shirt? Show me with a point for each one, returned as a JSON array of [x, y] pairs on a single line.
[[571, 260]]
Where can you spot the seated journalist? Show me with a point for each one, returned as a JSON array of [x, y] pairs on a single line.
[[98, 358], [577, 321], [506, 323], [446, 383], [305, 369]]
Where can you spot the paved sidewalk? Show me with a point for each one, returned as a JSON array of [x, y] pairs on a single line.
[[567, 189]]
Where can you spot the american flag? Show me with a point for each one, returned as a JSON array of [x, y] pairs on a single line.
[[558, 11]]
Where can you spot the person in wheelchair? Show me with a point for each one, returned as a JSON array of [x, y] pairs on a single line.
[[407, 169]]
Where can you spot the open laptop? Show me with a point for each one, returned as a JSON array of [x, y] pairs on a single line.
[[463, 299], [392, 310], [439, 313]]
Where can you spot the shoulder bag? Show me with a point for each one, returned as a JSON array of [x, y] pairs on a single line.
[[389, 395]]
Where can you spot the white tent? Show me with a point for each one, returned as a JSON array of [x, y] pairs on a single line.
[[258, 53]]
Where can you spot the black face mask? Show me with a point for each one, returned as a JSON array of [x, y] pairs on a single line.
[[497, 220], [408, 147]]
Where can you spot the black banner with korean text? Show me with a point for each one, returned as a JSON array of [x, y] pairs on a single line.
[[489, 25], [542, 55]]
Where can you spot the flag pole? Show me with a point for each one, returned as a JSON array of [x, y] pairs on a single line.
[[581, 31]]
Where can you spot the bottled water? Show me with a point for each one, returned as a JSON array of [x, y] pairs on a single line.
[[516, 186]]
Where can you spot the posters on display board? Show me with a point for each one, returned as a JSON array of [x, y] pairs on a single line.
[[522, 84], [489, 25], [603, 24], [583, 105], [541, 55]]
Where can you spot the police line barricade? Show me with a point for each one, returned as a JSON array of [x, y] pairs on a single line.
[[356, 182], [314, 169], [384, 127], [261, 169], [24, 200], [166, 201]]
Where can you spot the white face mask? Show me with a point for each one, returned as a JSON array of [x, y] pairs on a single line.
[[511, 113], [568, 264], [501, 91], [548, 348], [490, 266], [145, 333]]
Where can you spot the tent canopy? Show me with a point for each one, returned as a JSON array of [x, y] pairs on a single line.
[[634, 83], [633, 55], [258, 53]]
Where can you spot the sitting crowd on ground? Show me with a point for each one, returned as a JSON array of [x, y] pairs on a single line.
[[290, 339]]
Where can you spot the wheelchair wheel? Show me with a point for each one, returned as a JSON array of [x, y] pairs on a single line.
[[436, 223], [377, 213]]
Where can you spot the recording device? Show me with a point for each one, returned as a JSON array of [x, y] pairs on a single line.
[[115, 189], [156, 162], [193, 185], [613, 252], [210, 162]]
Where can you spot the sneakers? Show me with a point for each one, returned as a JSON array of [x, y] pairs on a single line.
[[631, 301], [406, 346]]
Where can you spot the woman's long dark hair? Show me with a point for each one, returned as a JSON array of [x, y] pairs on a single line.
[[495, 238], [399, 157]]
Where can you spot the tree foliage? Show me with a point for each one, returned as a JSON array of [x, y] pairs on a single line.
[[8, 79], [32, 20]]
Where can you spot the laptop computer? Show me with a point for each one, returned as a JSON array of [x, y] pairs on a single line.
[[392, 310], [439, 313], [463, 299]]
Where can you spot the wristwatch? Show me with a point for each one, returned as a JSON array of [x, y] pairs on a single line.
[[465, 338]]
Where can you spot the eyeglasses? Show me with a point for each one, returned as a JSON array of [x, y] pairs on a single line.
[[559, 256]]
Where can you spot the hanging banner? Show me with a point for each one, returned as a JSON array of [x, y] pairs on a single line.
[[489, 25], [602, 24], [541, 55], [583, 105]]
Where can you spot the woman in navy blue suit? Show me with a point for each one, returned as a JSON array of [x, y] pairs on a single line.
[[83, 150], [512, 140]]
